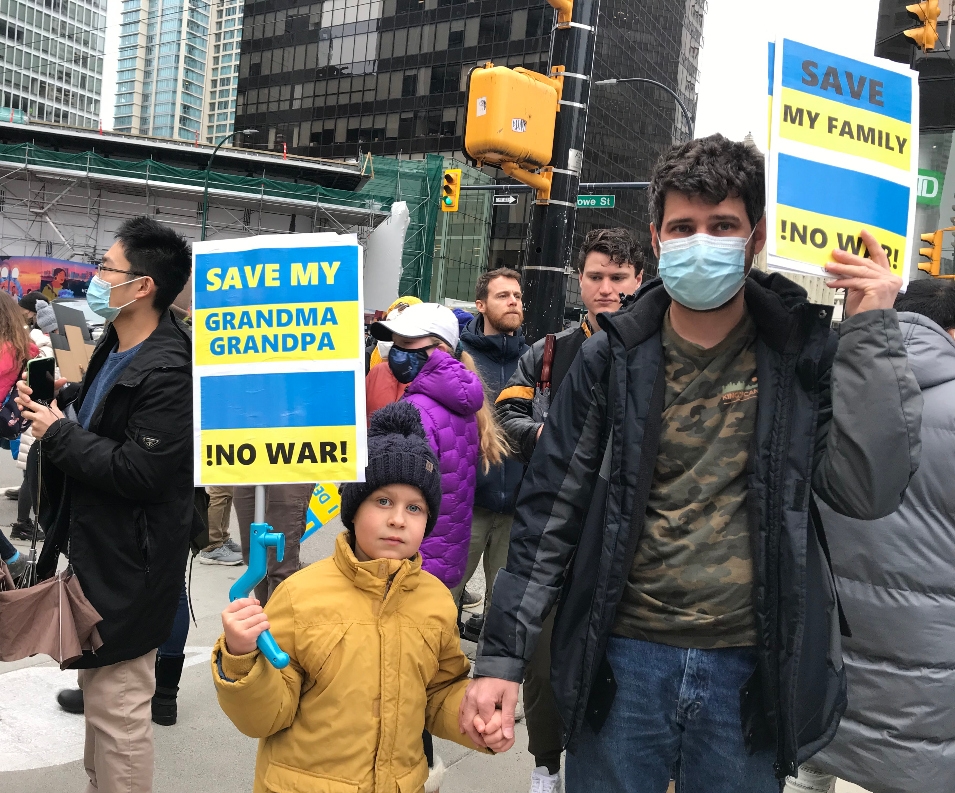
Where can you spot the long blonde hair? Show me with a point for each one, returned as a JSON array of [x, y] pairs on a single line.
[[12, 330], [493, 442]]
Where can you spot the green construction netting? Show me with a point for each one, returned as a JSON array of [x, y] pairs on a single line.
[[417, 182]]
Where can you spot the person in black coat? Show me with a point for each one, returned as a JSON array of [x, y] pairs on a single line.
[[117, 489], [495, 341]]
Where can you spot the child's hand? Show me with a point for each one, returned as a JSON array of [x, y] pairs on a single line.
[[493, 733], [243, 620]]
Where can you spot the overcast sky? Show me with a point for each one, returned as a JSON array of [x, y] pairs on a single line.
[[733, 62]]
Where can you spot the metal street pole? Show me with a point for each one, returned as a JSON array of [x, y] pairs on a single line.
[[551, 232], [686, 113], [205, 189]]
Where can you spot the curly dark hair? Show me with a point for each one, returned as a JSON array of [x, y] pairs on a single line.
[[619, 244], [712, 168]]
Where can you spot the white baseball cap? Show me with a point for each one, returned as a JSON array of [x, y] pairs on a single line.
[[418, 321]]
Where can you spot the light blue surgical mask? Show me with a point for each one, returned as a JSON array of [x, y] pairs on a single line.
[[703, 272], [98, 294]]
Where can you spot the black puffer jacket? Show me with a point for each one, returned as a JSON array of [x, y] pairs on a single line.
[[839, 417], [118, 498], [496, 358]]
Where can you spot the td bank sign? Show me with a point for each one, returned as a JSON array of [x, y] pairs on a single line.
[[930, 187]]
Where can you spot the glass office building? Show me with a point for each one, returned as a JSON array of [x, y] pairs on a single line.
[[161, 72], [222, 75], [51, 59], [343, 77]]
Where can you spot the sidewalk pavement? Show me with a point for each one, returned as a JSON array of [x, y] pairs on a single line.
[[41, 747]]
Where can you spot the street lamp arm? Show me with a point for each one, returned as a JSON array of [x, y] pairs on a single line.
[[686, 113], [205, 189]]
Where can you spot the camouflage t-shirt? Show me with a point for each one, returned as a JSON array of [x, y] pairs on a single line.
[[691, 584]]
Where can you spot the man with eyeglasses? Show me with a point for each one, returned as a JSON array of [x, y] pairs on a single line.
[[116, 456]]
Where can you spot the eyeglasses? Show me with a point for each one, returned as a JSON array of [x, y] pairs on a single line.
[[101, 268]]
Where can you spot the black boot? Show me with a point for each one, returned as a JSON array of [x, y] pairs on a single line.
[[168, 674], [71, 700], [23, 530]]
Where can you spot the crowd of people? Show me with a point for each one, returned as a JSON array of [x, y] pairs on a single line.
[[716, 531]]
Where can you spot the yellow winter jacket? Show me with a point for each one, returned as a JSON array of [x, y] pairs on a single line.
[[375, 659]]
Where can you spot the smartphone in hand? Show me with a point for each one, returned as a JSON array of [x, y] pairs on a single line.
[[41, 373]]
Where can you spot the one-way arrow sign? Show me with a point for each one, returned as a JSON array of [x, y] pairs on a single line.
[[505, 200]]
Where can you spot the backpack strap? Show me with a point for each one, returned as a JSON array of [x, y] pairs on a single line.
[[547, 362]]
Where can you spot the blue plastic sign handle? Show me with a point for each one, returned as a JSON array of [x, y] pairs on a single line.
[[261, 538]]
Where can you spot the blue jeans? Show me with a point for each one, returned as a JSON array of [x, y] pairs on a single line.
[[676, 714], [175, 645]]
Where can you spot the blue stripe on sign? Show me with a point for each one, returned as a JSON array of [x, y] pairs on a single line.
[[296, 399], [840, 193], [890, 94], [225, 280], [772, 65]]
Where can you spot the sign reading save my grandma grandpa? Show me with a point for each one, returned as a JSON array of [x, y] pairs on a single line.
[[843, 157], [279, 372]]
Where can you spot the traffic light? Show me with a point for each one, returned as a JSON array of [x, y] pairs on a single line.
[[925, 36], [451, 190], [934, 254]]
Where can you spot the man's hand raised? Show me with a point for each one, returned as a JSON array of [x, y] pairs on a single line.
[[869, 282], [482, 699]]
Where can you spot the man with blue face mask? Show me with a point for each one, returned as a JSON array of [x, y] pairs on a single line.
[[670, 502], [117, 497]]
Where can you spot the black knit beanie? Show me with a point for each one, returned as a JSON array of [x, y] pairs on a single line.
[[398, 453]]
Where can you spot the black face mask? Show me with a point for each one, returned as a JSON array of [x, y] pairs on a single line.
[[405, 364]]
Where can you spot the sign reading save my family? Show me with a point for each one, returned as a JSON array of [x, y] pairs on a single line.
[[278, 385], [843, 157]]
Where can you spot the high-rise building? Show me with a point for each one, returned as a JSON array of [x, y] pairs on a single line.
[[51, 58], [161, 72], [343, 77], [222, 74]]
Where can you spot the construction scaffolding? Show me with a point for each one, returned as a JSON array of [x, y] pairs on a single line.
[[69, 205]]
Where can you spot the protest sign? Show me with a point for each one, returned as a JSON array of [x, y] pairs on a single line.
[[278, 386], [325, 504], [843, 157]]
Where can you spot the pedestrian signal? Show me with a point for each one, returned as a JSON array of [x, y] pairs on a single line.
[[511, 116], [450, 190], [925, 36]]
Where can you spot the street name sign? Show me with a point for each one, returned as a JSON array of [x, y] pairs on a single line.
[[595, 201]]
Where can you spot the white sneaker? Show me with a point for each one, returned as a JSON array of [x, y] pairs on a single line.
[[543, 782]]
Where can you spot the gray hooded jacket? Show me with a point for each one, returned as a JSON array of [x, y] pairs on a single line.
[[896, 579]]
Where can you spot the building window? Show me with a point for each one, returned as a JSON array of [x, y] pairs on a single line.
[[494, 28], [445, 79], [409, 84]]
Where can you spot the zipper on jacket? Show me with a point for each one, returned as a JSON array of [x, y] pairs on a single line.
[[776, 498]]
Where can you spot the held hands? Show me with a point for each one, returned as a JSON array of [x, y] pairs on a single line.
[[41, 416], [487, 713], [243, 620], [869, 282]]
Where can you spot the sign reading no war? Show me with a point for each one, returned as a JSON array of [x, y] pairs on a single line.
[[279, 370], [843, 157]]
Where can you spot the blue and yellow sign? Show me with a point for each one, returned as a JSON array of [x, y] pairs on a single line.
[[277, 344], [843, 156]]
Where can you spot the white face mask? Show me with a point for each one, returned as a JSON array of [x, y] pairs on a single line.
[[384, 347]]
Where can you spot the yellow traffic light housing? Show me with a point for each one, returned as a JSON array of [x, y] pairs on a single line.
[[933, 254], [928, 13], [511, 114], [451, 190]]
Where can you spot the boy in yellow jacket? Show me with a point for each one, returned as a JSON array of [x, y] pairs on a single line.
[[375, 653]]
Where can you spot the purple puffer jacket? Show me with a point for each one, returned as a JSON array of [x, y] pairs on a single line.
[[447, 395]]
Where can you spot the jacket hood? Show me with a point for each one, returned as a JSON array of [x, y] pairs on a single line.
[[498, 347], [930, 349], [449, 383]]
